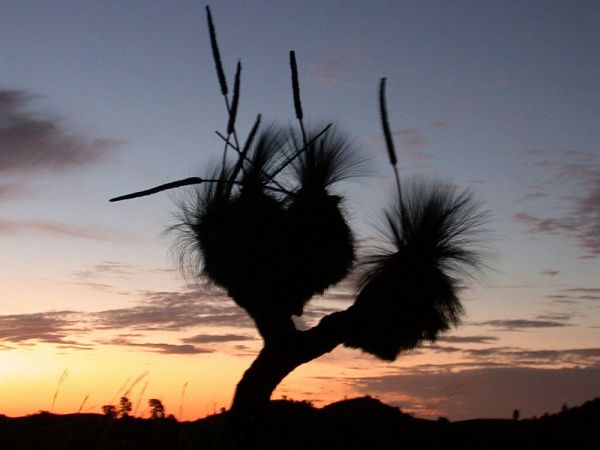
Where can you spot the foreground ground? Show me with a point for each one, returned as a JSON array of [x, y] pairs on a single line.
[[362, 423]]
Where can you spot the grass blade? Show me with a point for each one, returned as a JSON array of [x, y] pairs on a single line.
[[62, 378], [299, 152], [251, 135], [243, 154], [181, 400], [83, 403], [143, 390]]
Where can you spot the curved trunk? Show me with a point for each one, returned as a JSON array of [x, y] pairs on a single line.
[[281, 354], [285, 349]]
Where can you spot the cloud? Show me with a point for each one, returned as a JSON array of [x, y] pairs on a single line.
[[550, 272], [576, 175], [467, 339], [160, 347], [177, 311], [331, 73], [555, 316], [32, 142], [91, 232], [475, 181], [484, 392], [571, 295], [216, 338], [581, 290], [92, 276], [508, 356], [159, 311], [412, 141], [442, 349], [326, 73], [550, 226], [53, 327], [102, 275], [528, 196], [522, 324], [411, 138]]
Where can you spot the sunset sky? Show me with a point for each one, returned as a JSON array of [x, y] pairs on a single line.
[[99, 99]]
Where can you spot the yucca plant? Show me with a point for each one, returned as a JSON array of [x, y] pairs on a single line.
[[270, 228]]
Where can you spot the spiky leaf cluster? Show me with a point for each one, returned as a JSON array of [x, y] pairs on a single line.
[[269, 246], [409, 288]]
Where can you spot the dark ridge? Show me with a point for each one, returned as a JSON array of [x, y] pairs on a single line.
[[360, 423]]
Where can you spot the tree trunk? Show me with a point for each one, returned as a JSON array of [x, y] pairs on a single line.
[[282, 353], [285, 349]]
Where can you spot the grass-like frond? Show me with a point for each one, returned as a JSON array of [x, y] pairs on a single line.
[[234, 239], [321, 241], [191, 241], [409, 290], [264, 156], [321, 244], [327, 160], [434, 224]]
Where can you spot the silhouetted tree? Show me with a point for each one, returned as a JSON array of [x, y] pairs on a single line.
[[124, 407], [157, 410], [109, 411], [268, 228], [516, 414]]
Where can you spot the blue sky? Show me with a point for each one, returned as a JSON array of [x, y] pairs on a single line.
[[112, 97]]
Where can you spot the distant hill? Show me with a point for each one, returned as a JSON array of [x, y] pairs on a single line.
[[360, 423]]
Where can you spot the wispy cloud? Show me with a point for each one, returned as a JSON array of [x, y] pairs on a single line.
[[468, 339], [177, 311], [159, 347], [509, 356], [548, 225], [53, 327], [327, 73], [522, 324], [216, 338], [91, 232], [412, 142], [574, 294], [158, 311], [31, 141], [96, 275], [104, 274], [583, 290], [576, 175], [550, 272]]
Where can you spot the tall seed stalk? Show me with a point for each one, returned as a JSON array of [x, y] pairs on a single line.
[[231, 108], [296, 93], [389, 142]]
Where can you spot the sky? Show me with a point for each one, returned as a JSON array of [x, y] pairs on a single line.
[[99, 99]]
